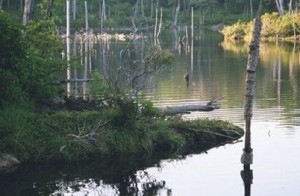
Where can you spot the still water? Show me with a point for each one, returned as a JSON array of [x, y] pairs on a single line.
[[216, 69]]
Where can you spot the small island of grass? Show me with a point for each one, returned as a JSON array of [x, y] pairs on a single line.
[[70, 135]]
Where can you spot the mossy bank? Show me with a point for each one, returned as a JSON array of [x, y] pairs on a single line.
[[69, 135]]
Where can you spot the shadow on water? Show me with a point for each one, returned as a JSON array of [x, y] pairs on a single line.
[[120, 175]]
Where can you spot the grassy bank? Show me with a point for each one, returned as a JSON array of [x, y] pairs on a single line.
[[275, 28], [68, 135]]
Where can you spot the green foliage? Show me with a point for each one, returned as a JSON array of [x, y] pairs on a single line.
[[269, 24], [13, 120], [11, 53], [43, 64], [273, 27], [11, 49], [98, 88], [147, 109], [221, 17], [125, 112], [66, 135], [203, 133], [237, 31], [30, 60]]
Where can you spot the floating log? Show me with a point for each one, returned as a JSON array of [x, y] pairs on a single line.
[[211, 105]]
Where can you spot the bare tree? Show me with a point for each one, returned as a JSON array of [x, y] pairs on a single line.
[[176, 13], [291, 6], [251, 8], [26, 12], [142, 8], [136, 7], [279, 4], [74, 9], [103, 13], [68, 46]]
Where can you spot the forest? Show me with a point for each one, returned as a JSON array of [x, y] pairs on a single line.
[[106, 14], [36, 127]]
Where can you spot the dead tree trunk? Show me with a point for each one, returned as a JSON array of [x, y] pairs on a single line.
[[279, 4], [68, 46], [176, 14], [26, 12], [247, 156]]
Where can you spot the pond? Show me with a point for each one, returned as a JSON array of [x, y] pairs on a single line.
[[216, 69]]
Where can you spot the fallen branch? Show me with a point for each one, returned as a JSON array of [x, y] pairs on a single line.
[[85, 136]]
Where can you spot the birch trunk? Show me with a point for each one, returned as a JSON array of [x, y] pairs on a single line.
[[247, 156], [151, 9], [136, 7], [160, 24], [176, 14], [279, 4], [103, 13], [155, 27], [291, 6], [68, 46], [201, 16], [86, 18], [26, 12], [251, 8], [142, 8], [74, 9]]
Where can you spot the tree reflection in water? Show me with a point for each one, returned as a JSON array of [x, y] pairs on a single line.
[[120, 175], [139, 183], [135, 183]]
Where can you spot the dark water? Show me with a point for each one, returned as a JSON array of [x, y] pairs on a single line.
[[216, 69]]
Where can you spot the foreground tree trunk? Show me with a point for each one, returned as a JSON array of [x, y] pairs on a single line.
[[250, 88], [247, 156]]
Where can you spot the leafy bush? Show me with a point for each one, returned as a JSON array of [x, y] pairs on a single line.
[[274, 26], [237, 31], [11, 53], [42, 64], [269, 24]]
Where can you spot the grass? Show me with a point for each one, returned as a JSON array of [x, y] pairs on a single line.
[[64, 135]]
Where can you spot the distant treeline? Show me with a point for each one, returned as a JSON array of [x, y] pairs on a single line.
[[115, 13]]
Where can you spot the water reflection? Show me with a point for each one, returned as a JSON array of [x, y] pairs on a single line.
[[122, 175], [247, 176]]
